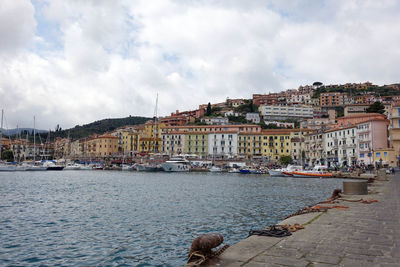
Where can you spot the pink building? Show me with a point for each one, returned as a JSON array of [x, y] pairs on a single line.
[[372, 135]]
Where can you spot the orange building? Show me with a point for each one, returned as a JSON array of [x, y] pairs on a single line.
[[102, 146], [365, 99], [6, 143], [332, 99], [269, 99]]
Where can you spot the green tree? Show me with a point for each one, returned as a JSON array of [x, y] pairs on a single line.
[[251, 106], [317, 84], [285, 160], [208, 111], [7, 155], [376, 107]]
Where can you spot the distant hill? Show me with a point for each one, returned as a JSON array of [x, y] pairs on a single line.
[[21, 130], [98, 127]]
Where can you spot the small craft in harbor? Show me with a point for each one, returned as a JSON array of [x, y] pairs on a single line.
[[316, 172]]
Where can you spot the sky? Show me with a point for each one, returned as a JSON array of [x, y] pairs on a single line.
[[73, 62]]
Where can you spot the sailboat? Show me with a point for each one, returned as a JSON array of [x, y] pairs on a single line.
[[4, 167], [215, 168], [35, 166], [152, 167]]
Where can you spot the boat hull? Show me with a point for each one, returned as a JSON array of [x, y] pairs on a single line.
[[143, 168], [8, 168], [175, 167], [275, 173], [36, 169], [311, 175]]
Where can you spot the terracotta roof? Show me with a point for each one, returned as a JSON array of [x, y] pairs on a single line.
[[213, 126], [360, 115]]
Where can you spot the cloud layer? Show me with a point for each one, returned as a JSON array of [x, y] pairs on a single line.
[[72, 62]]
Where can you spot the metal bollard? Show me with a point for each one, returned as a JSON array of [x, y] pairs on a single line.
[[355, 187]]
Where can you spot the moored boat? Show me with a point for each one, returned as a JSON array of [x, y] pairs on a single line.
[[148, 168], [126, 167], [215, 169], [7, 168], [288, 171], [234, 170], [51, 166], [316, 172], [176, 165]]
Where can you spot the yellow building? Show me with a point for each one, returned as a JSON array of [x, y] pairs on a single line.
[[129, 142], [196, 143], [394, 130], [150, 137], [250, 145], [385, 157], [276, 143], [102, 146]]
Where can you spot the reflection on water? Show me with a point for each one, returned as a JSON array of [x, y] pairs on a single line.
[[114, 218]]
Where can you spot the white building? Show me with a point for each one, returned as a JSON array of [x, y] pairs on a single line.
[[299, 98], [281, 124], [313, 148], [277, 112], [215, 120], [222, 144], [173, 143], [253, 117], [341, 146], [231, 113]]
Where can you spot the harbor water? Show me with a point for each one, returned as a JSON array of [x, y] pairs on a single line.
[[112, 218]]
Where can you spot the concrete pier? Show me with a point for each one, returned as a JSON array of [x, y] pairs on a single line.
[[362, 235]]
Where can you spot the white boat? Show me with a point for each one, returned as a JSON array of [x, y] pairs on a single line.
[[176, 165], [85, 167], [234, 170], [285, 171], [126, 167], [215, 169], [7, 168], [35, 168], [97, 167], [72, 167], [276, 172]]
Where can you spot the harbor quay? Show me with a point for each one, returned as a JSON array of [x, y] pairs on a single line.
[[360, 235]]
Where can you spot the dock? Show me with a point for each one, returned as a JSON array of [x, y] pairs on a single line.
[[361, 235]]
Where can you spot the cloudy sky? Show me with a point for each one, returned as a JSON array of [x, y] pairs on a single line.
[[76, 61]]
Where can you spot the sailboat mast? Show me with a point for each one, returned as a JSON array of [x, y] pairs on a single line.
[[155, 126], [34, 138]]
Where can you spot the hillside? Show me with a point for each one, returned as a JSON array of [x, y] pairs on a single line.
[[377, 90], [98, 127]]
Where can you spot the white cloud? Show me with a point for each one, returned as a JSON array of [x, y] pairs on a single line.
[[113, 57], [17, 25]]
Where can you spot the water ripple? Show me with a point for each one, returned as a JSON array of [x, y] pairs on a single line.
[[137, 219]]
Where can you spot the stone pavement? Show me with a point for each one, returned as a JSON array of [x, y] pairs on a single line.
[[363, 235]]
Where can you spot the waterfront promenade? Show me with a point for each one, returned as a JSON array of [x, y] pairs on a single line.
[[362, 235]]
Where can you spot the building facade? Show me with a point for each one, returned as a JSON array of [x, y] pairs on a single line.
[[223, 144]]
